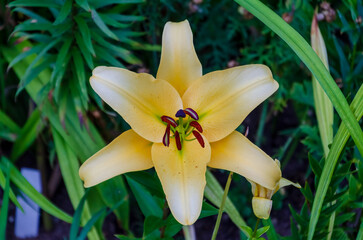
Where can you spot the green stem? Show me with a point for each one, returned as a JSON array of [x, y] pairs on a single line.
[[261, 124], [189, 233], [256, 227], [220, 212]]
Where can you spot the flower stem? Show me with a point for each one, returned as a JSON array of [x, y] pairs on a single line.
[[256, 227], [189, 232], [220, 212]]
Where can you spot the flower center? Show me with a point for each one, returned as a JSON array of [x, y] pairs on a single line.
[[181, 129]]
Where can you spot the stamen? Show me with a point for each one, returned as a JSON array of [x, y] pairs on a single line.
[[169, 120], [177, 140], [193, 114], [247, 131], [197, 126], [166, 137], [199, 138], [180, 113]]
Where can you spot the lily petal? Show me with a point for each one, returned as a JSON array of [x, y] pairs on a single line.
[[224, 98], [237, 154], [182, 176], [139, 98], [179, 64], [261, 207], [286, 182], [127, 153]]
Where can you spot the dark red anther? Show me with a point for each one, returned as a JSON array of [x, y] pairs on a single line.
[[166, 137], [193, 114], [197, 126], [169, 120], [180, 113], [177, 140], [199, 138]]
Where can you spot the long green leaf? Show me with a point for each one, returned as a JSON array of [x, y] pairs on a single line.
[[337, 147], [68, 163], [11, 193], [5, 205], [9, 123], [25, 80], [85, 52], [79, 140], [96, 217], [25, 54], [61, 62], [27, 135], [86, 34], [33, 3], [99, 22], [83, 4], [147, 203], [33, 194], [360, 233], [77, 217], [64, 12], [311, 60]]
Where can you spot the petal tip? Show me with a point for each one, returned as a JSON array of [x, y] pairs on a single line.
[[98, 70]]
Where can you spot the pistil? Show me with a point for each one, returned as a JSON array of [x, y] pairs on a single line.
[[182, 128]]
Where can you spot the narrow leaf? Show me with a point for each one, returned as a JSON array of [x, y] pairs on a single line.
[[77, 217], [85, 32], [337, 147], [32, 193], [147, 203], [99, 22], [27, 135], [33, 3], [5, 204], [312, 61], [64, 12], [9, 123], [83, 4]]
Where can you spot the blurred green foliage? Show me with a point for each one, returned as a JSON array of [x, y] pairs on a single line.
[[49, 48]]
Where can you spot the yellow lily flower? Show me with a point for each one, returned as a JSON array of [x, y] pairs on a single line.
[[261, 201], [182, 122]]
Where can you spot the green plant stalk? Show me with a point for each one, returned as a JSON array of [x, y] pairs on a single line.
[[256, 227], [311, 60], [214, 193], [337, 147], [189, 232], [220, 212], [41, 165], [261, 124]]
